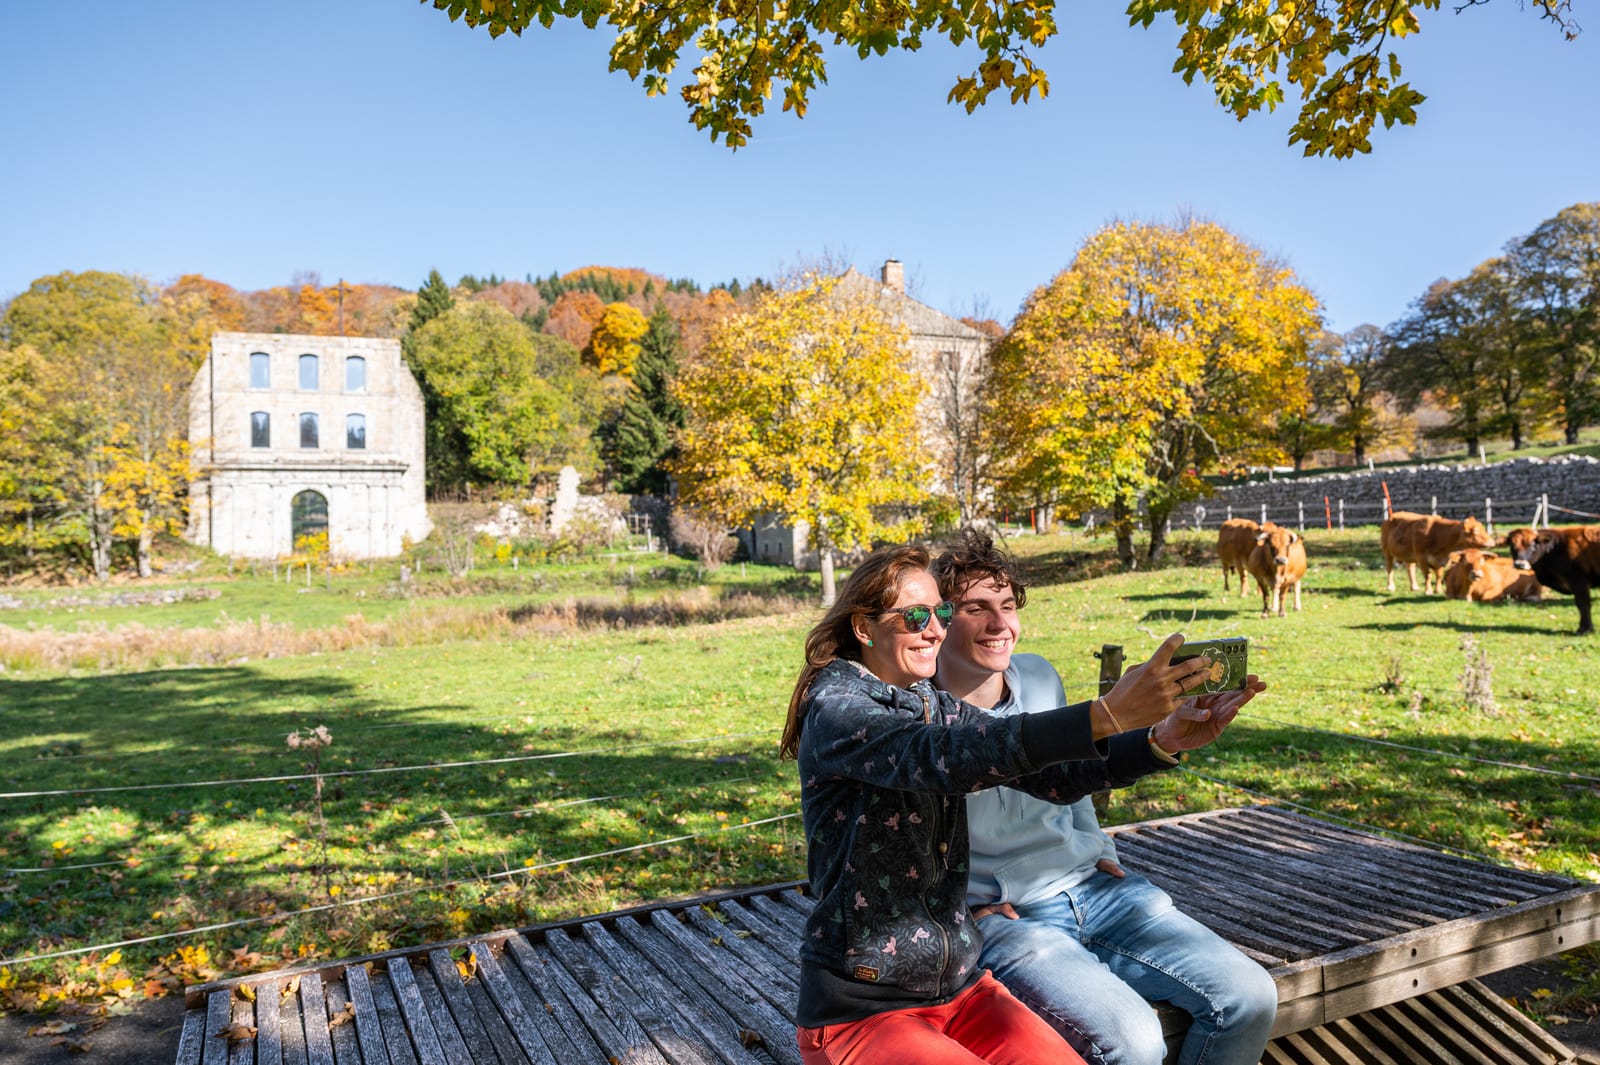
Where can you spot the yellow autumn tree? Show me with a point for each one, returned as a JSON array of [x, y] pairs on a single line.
[[614, 344], [803, 408], [1161, 352]]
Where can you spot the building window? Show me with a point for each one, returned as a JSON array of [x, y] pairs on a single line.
[[260, 370], [355, 374], [260, 429], [308, 516], [355, 430], [308, 430], [308, 373]]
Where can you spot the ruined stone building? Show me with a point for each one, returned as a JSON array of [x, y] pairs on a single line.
[[296, 436], [952, 357]]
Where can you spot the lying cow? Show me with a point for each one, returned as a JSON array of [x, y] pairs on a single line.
[[1565, 559], [1278, 563], [1480, 577], [1235, 540], [1427, 540]]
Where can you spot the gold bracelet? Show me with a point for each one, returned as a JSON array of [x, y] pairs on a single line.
[[1110, 716], [1160, 752]]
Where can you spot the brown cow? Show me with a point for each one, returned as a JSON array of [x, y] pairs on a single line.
[[1235, 540], [1565, 559], [1427, 540], [1478, 576], [1278, 563]]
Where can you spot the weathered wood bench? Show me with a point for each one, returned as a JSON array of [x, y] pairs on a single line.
[[1373, 944]]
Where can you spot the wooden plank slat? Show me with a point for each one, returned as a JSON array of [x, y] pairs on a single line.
[[1453, 1029], [750, 955], [395, 1037], [244, 1012], [423, 1036], [345, 1034], [314, 1017], [368, 1028], [755, 1012], [191, 1039], [1510, 1025], [269, 1023], [518, 1013], [617, 1034], [484, 1031], [219, 1014], [451, 1040], [290, 1026], [692, 1010]]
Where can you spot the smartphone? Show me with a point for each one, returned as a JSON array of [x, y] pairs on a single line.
[[1229, 663]]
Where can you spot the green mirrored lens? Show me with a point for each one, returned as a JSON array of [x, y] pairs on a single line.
[[944, 612], [916, 617]]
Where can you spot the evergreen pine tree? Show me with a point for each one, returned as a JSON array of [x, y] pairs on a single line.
[[642, 438], [433, 299], [446, 449]]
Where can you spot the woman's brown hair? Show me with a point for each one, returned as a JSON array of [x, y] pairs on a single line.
[[872, 588]]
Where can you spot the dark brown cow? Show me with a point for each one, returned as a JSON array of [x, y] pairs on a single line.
[[1278, 563], [1235, 540], [1427, 540], [1478, 576], [1566, 560]]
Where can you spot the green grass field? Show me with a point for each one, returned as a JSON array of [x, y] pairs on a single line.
[[548, 761]]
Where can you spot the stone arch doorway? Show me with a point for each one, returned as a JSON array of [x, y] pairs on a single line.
[[308, 515]]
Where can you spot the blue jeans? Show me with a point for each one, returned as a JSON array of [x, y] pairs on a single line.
[[1091, 959]]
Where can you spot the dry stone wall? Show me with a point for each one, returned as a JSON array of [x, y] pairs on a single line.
[[1508, 492]]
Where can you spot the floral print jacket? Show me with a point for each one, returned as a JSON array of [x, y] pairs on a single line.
[[883, 776]]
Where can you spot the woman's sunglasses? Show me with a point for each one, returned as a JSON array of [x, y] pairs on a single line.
[[918, 615]]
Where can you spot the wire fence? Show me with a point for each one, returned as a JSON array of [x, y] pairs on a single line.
[[618, 800], [1338, 513]]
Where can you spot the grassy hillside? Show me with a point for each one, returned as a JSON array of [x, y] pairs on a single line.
[[517, 754]]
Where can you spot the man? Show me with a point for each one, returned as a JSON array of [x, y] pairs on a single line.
[[1082, 941]]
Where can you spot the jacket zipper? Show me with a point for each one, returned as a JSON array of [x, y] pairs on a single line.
[[943, 848]]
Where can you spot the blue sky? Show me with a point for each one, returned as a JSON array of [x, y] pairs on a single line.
[[373, 140]]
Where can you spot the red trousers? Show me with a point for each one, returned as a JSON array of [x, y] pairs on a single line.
[[984, 1025]]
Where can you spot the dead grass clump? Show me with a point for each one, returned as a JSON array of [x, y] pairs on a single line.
[[133, 646]]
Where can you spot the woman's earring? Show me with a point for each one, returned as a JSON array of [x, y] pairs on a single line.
[[869, 643]]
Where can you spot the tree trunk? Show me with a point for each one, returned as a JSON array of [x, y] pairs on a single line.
[[1122, 525], [1158, 532], [1572, 428], [1360, 451], [825, 564], [100, 544], [145, 538], [1516, 434]]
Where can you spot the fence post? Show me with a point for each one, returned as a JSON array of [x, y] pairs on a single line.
[[1327, 513], [1433, 505], [1302, 505], [1199, 516], [1341, 513], [1230, 511], [1488, 515], [1544, 509], [1263, 513], [1110, 656]]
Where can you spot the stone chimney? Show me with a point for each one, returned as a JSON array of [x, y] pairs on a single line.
[[894, 276]]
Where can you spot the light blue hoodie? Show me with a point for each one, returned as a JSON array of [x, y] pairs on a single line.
[[1026, 849]]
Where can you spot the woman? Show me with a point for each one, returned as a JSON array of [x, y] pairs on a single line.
[[889, 963]]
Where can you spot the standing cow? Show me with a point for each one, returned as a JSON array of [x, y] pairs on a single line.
[[1278, 563], [1235, 540], [1427, 540], [1565, 559], [1478, 576]]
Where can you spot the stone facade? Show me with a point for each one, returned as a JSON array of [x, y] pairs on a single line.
[[1512, 489], [299, 434], [950, 356]]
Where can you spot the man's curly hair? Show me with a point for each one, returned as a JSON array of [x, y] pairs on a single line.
[[973, 556]]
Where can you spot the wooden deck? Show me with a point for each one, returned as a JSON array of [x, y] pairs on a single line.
[[1347, 923]]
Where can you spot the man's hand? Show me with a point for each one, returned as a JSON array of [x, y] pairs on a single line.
[[1106, 865], [1198, 721], [1002, 908]]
